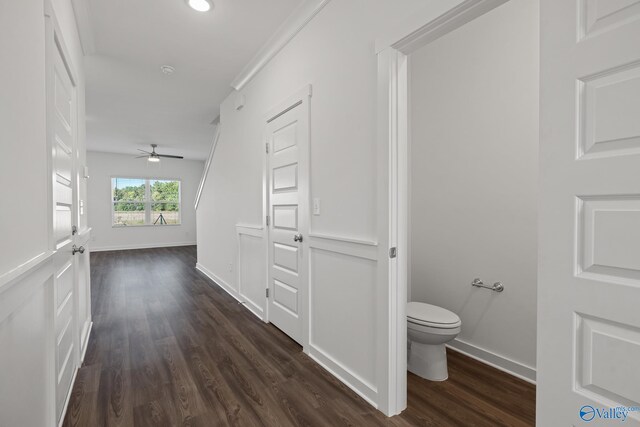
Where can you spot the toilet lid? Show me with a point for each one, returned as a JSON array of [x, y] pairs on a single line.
[[421, 312]]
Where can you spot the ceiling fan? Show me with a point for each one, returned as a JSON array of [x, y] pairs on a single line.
[[154, 157]]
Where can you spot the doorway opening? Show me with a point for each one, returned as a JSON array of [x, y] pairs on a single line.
[[463, 137]]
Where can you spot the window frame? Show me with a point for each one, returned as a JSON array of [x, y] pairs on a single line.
[[147, 202]]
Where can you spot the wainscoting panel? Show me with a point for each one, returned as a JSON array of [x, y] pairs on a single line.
[[26, 347], [342, 336], [252, 263]]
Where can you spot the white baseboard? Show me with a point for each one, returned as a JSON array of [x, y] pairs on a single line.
[[231, 291], [67, 399], [517, 369], [139, 246], [252, 307], [75, 375], [218, 281], [366, 391], [85, 344]]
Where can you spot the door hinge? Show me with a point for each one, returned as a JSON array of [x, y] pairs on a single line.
[[267, 220], [267, 293], [266, 147], [393, 252]]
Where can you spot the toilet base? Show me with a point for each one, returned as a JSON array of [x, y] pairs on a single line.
[[428, 361]]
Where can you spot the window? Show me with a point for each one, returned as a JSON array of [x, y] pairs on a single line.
[[144, 201]]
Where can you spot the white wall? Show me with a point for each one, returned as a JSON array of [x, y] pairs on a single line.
[[103, 166], [26, 293], [22, 134], [474, 157], [335, 54]]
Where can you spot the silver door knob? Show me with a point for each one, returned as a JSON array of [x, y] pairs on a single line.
[[297, 238], [75, 249]]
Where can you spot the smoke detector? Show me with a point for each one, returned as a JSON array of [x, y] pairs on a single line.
[[167, 69]]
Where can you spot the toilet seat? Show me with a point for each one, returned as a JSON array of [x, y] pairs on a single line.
[[423, 314]]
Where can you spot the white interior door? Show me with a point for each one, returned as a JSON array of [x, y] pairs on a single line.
[[62, 110], [589, 283], [288, 151]]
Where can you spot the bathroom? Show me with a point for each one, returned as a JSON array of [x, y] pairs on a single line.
[[473, 180]]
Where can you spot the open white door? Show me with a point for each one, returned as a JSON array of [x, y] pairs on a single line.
[[288, 215], [589, 274], [62, 123]]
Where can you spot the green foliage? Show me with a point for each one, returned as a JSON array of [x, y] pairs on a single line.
[[130, 193], [164, 207], [128, 207], [165, 191]]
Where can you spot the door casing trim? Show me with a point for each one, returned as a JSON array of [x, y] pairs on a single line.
[[393, 49]]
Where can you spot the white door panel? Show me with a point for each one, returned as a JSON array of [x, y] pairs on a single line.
[[589, 281], [288, 142], [285, 257], [285, 296], [285, 217], [63, 284], [285, 178]]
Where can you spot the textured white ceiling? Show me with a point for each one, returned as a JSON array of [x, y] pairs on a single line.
[[131, 103]]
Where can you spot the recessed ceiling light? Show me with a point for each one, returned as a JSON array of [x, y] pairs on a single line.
[[167, 69], [200, 5]]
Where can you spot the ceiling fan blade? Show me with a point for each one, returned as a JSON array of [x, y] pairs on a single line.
[[148, 152], [170, 156], [139, 157]]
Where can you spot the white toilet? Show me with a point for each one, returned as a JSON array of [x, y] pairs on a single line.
[[429, 328]]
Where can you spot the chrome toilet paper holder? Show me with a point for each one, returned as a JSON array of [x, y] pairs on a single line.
[[478, 283]]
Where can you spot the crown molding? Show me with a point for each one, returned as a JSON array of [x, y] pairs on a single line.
[[432, 22], [298, 19], [83, 23]]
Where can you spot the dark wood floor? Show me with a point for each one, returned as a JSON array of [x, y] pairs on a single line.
[[170, 349]]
